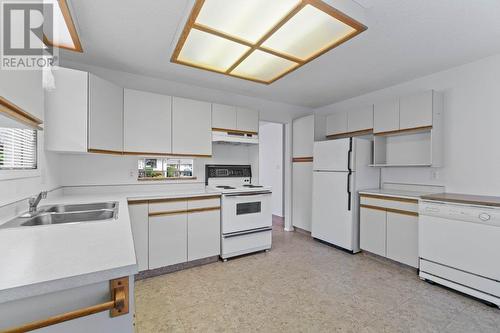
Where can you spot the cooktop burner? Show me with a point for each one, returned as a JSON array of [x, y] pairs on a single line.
[[252, 186], [226, 187]]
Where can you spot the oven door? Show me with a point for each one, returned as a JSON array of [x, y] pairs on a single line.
[[246, 211]]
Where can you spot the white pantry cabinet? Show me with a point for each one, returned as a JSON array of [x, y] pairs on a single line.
[[66, 111], [139, 221], [191, 127], [147, 122], [402, 238], [386, 116], [360, 119], [416, 110], [373, 230], [223, 116], [247, 120], [302, 195], [105, 115], [336, 123], [167, 240]]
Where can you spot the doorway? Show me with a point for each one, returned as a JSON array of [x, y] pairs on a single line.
[[271, 165]]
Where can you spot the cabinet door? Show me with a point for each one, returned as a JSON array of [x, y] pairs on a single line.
[[203, 234], [360, 119], [386, 116], [247, 120], [140, 231], [66, 112], [373, 230], [24, 89], [224, 116], [402, 238], [167, 240], [105, 115], [191, 127], [302, 195], [416, 110], [147, 122], [303, 136], [336, 123]]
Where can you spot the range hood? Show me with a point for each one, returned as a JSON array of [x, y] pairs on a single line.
[[235, 137]]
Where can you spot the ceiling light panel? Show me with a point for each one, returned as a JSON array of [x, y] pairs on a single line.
[[308, 33], [210, 52], [263, 66], [248, 20], [63, 34], [261, 40]]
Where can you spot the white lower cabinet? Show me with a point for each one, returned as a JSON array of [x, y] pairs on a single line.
[[402, 238], [167, 240], [203, 234], [139, 221], [373, 230]]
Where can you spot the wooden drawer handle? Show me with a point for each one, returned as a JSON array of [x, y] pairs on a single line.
[[390, 210], [117, 306], [184, 211]]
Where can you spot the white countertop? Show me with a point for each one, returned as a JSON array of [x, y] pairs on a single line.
[[395, 193], [42, 259]]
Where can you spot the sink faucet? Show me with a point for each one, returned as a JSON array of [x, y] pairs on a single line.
[[34, 201]]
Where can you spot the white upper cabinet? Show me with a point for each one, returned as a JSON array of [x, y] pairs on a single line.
[[223, 116], [147, 122], [386, 116], [303, 136], [24, 89], [66, 111], [105, 115], [416, 110], [191, 127], [336, 123], [360, 119], [247, 120]]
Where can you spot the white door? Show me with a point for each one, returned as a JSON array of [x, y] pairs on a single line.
[[302, 173], [386, 116], [191, 127], [223, 116], [203, 234], [373, 230], [416, 110], [105, 115], [402, 238], [167, 240], [332, 155], [303, 136], [332, 221], [336, 123], [247, 120], [360, 119], [248, 211], [147, 122]]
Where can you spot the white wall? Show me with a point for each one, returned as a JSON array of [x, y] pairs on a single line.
[[471, 121], [271, 161]]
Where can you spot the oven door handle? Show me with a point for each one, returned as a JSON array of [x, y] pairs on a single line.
[[244, 195], [247, 232]]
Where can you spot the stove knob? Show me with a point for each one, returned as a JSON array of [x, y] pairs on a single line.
[[484, 217]]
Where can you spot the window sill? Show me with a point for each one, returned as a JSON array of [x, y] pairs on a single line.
[[165, 178]]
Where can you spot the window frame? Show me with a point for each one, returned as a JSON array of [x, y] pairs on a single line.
[[165, 162], [11, 174]]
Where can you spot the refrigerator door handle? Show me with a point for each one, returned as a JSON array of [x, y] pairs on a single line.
[[349, 190]]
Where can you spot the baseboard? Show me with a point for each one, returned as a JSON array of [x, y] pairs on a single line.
[[174, 268]]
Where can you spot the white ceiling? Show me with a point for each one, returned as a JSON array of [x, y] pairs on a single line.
[[405, 39]]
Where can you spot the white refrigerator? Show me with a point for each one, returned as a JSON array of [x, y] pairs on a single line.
[[340, 170]]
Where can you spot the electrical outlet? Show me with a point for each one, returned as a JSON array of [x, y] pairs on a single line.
[[132, 173], [434, 174]]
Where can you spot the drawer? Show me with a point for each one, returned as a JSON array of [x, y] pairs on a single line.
[[402, 204], [167, 206], [252, 242], [203, 202]]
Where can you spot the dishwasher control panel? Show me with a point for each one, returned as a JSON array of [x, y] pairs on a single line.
[[466, 213]]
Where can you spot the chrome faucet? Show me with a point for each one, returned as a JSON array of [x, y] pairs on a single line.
[[34, 201]]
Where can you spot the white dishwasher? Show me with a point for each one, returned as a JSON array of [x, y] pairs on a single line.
[[459, 247]]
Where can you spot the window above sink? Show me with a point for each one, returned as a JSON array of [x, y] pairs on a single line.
[[165, 168]]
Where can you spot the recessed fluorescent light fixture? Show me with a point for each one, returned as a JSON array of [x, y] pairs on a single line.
[[261, 40], [64, 34]]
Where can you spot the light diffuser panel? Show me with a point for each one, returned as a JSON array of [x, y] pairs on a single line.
[[210, 51], [263, 66], [246, 19], [307, 33], [63, 34]]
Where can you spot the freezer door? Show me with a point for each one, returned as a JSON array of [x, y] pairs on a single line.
[[331, 155], [332, 221]]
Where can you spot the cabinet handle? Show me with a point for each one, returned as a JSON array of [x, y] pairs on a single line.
[[117, 306]]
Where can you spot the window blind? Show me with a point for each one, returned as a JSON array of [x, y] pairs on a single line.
[[18, 149]]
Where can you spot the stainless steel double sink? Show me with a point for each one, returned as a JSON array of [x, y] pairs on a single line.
[[58, 214]]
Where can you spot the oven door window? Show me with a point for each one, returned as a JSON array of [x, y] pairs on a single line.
[[248, 208]]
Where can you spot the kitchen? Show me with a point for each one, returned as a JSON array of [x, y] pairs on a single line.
[[367, 151]]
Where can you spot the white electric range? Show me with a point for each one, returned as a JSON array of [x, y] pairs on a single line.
[[246, 221]]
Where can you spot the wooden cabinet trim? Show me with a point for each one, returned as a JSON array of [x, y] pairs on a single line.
[[185, 211], [216, 129], [102, 151], [383, 197], [405, 131], [389, 210], [217, 196], [350, 134], [14, 112], [302, 159]]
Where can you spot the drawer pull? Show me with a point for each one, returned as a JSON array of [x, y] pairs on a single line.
[[117, 306]]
